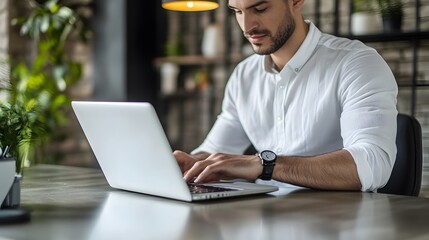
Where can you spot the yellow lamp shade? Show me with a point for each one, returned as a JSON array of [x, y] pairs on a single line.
[[190, 5]]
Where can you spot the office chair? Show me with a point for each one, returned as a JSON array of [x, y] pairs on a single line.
[[407, 172]]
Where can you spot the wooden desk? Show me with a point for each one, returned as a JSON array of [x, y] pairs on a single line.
[[76, 203]]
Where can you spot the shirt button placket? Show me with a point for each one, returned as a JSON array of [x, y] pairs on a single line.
[[281, 87]]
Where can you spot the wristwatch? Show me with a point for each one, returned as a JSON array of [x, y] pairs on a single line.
[[268, 160]]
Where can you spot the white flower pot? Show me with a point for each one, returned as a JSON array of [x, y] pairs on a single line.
[[7, 175], [365, 23], [212, 41]]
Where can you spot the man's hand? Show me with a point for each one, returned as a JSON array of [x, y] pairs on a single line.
[[219, 166], [186, 161]]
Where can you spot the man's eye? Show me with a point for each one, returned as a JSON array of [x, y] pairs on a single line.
[[260, 10], [235, 12]]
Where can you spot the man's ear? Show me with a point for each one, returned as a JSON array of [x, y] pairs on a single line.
[[297, 4]]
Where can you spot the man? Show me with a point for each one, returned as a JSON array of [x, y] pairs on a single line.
[[324, 107]]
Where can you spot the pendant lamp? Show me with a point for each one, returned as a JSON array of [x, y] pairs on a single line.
[[190, 5]]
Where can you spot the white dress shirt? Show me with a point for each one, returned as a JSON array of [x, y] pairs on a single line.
[[333, 94]]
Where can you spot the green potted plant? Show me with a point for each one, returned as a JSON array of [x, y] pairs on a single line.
[[21, 131], [391, 12], [364, 19]]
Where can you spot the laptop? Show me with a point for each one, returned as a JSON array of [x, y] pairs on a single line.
[[135, 155]]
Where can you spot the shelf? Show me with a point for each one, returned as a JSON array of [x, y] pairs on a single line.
[[198, 60], [391, 37], [180, 95], [423, 84]]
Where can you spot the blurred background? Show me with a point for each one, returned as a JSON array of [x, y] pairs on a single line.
[[133, 50]]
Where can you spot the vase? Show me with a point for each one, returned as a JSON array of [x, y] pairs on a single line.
[[212, 41], [169, 74], [365, 23]]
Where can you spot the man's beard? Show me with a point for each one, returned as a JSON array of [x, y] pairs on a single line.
[[283, 34]]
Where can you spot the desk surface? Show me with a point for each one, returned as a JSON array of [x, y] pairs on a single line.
[[77, 203]]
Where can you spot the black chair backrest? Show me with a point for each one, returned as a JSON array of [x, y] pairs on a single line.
[[407, 172]]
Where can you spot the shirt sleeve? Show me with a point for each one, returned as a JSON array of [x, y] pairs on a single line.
[[368, 120], [227, 134]]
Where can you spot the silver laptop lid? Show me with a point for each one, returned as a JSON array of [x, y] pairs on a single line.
[[131, 147]]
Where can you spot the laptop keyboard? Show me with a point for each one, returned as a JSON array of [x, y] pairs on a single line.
[[194, 188]]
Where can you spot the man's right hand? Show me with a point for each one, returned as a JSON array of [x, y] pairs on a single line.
[[186, 161]]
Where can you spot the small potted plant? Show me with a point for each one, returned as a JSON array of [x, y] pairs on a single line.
[[20, 131], [391, 12]]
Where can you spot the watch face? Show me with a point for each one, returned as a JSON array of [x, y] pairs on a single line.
[[268, 155]]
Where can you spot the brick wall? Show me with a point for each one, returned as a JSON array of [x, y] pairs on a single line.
[[4, 68]]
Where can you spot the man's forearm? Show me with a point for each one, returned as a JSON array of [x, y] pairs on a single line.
[[331, 171]]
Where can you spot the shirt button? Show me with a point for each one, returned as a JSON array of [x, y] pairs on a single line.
[[278, 78], [279, 150], [281, 86], [296, 69], [279, 119]]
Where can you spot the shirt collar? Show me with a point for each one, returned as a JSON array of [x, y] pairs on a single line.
[[303, 54]]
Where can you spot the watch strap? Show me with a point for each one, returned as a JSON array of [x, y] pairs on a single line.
[[267, 171]]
